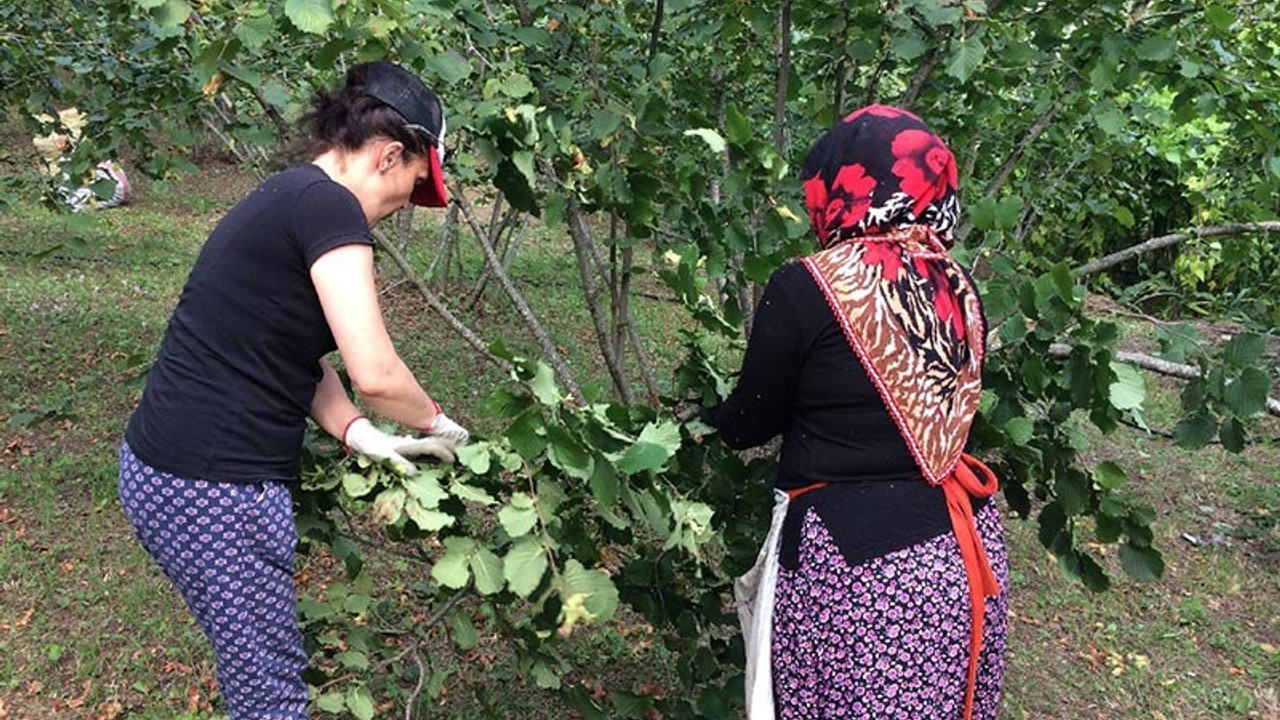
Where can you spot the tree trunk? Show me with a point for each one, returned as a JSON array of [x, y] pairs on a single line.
[[590, 289]]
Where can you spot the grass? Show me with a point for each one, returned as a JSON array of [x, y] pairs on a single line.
[[89, 629]]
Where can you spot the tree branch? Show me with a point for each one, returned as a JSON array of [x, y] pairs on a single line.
[[655, 33], [434, 302], [582, 247], [558, 364], [1166, 240], [922, 74]]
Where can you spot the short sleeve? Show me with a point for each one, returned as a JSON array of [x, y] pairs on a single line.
[[327, 216]]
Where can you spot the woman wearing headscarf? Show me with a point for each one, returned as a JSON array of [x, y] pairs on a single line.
[[891, 567]]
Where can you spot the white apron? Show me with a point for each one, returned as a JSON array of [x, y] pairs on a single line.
[[753, 594]]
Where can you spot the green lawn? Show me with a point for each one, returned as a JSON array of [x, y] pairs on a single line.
[[89, 629]]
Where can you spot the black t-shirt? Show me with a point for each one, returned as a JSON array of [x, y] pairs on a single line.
[[230, 392], [801, 378]]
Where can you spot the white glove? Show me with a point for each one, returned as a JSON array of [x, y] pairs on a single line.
[[446, 429], [362, 437]]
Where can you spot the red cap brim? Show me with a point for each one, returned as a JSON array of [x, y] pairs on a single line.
[[432, 192]]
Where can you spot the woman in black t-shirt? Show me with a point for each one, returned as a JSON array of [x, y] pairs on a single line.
[[890, 564], [284, 279]]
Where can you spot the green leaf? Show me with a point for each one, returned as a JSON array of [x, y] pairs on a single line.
[[451, 568], [388, 507], [1232, 435], [630, 705], [586, 596], [1157, 48], [737, 126], [907, 46], [544, 387], [470, 493], [1246, 396], [474, 457], [487, 569], [451, 67], [331, 702], [1141, 563], [566, 453], [520, 516], [1219, 17], [256, 32], [1109, 119], [425, 488], [1073, 493], [643, 456], [524, 436], [712, 138], [1244, 350], [353, 659], [173, 13], [1194, 433], [360, 703], [543, 676], [657, 443], [310, 16], [966, 58], [516, 86], [356, 485], [1128, 391], [1020, 430], [425, 518], [604, 485], [150, 4], [464, 633], [524, 565], [1008, 210], [1109, 475]]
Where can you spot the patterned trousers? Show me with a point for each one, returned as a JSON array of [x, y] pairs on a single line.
[[887, 639], [228, 548]]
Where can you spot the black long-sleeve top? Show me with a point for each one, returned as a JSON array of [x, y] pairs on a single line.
[[801, 378]]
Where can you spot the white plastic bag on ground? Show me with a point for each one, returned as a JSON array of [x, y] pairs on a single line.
[[753, 595]]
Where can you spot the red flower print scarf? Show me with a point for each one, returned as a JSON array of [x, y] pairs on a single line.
[[881, 192]]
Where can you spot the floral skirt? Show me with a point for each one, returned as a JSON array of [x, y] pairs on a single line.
[[887, 639]]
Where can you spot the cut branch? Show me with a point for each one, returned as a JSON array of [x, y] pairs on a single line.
[[1166, 240]]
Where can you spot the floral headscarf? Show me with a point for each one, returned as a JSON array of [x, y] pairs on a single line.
[[881, 193], [880, 169]]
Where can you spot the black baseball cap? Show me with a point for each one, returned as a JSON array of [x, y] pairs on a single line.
[[410, 97]]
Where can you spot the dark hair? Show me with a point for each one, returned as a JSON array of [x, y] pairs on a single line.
[[347, 118]]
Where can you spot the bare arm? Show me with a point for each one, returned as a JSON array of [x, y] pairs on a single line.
[[332, 410], [344, 281]]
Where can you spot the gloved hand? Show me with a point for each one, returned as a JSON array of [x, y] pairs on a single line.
[[445, 428], [362, 437]]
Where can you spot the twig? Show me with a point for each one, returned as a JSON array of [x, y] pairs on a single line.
[[417, 688]]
